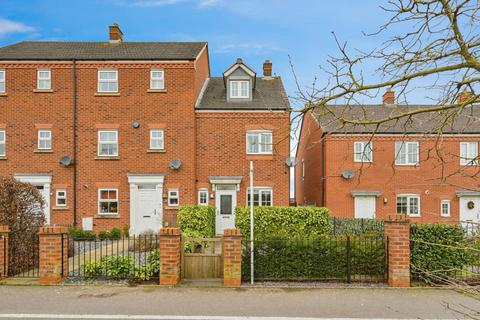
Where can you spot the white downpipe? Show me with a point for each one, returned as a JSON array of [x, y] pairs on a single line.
[[251, 224]]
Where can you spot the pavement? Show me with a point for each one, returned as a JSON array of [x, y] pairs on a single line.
[[154, 302]]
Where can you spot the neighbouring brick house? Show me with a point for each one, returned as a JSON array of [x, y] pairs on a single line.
[[121, 133], [397, 170]]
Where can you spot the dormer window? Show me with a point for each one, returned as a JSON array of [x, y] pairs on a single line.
[[239, 89]]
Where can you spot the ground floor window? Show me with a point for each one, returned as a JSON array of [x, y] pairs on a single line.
[[445, 208], [261, 196], [61, 198], [408, 204], [173, 197], [203, 197], [108, 201]]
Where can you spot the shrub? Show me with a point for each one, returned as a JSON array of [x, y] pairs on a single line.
[[285, 222], [79, 234], [144, 242], [92, 269], [197, 221], [118, 267], [437, 249], [103, 235], [114, 234]]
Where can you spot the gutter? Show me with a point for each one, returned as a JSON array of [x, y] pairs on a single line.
[[74, 143]]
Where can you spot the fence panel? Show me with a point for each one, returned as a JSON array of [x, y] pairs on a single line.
[[133, 258], [325, 259], [23, 255]]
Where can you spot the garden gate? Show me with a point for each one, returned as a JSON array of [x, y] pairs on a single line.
[[23, 254], [202, 258]]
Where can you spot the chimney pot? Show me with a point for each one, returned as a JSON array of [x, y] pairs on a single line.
[[267, 68], [239, 60], [116, 35], [389, 97]]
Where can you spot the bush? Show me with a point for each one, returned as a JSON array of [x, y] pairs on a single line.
[[285, 222], [92, 269], [118, 267], [79, 234], [103, 235], [197, 221], [114, 234], [437, 249]]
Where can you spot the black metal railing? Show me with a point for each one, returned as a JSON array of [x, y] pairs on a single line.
[[135, 258], [348, 258], [23, 254]]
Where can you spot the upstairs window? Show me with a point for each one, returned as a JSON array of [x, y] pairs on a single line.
[[2, 143], [363, 151], [108, 201], [409, 205], [240, 89], [108, 81], [2, 81], [108, 143], [261, 197], [44, 80], [44, 140], [259, 142], [406, 153], [156, 139], [157, 80], [468, 153]]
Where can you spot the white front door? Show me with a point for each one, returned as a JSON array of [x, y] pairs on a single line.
[[45, 192], [470, 209], [225, 203], [43, 184], [365, 207], [149, 213]]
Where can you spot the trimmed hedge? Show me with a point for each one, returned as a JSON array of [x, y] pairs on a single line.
[[197, 221], [436, 248], [285, 222]]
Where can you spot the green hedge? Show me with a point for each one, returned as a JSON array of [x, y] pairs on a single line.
[[285, 222], [438, 249], [197, 221]]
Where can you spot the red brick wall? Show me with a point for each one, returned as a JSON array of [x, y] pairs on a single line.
[[221, 151], [51, 251], [170, 256], [232, 257], [4, 230], [397, 235]]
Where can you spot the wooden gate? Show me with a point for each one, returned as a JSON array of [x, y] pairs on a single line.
[[202, 258]]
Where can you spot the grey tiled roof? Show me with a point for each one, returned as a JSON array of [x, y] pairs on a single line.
[[468, 121], [102, 51], [269, 94]]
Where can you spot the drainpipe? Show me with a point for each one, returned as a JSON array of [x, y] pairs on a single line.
[[323, 172], [74, 197]]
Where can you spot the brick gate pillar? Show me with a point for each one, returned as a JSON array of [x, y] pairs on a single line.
[[53, 247], [170, 256], [397, 231], [4, 230], [232, 257]]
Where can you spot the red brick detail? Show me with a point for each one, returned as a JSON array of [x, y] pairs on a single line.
[[397, 235], [4, 230], [232, 257], [170, 256], [51, 269]]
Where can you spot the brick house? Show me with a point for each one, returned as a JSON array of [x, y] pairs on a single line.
[[404, 168], [123, 133]]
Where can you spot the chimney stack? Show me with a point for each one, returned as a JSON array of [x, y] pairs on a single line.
[[389, 97], [464, 96], [267, 68], [116, 35]]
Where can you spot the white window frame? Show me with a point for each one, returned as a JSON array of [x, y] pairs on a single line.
[[3, 142], [171, 197], [362, 155], [262, 148], [154, 78], [100, 81], [404, 147], [59, 197], [261, 190], [99, 200], [162, 139], [47, 80], [100, 142], [200, 192], [448, 204], [43, 139], [239, 92], [409, 198], [471, 156], [3, 81]]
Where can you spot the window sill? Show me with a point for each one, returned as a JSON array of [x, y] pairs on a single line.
[[157, 90], [60, 208], [107, 158], [43, 91], [172, 207], [107, 94], [3, 158], [3, 94], [43, 151], [156, 151], [107, 216], [259, 156]]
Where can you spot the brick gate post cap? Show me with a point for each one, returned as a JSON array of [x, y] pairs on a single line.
[[170, 231], [53, 230], [397, 218], [4, 229], [232, 232]]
